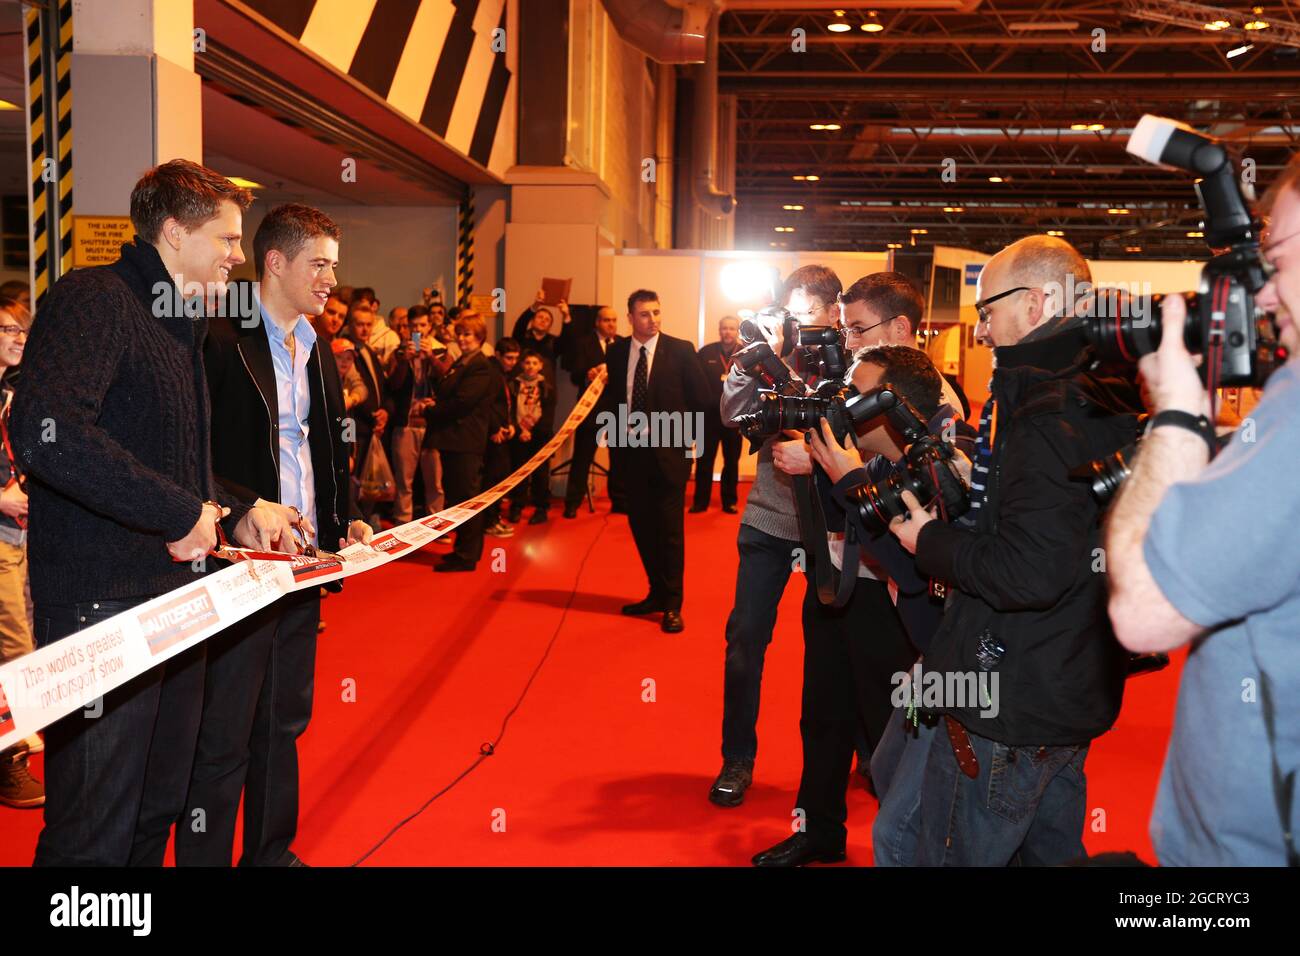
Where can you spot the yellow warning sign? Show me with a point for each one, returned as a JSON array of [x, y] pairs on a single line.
[[97, 240]]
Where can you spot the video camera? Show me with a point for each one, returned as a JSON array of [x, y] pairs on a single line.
[[1223, 322]]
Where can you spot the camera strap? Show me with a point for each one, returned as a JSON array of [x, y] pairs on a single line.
[[834, 588]]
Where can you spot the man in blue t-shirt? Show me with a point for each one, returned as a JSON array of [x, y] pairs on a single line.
[[1208, 554]]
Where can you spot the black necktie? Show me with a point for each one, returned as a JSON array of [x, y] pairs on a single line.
[[639, 379]]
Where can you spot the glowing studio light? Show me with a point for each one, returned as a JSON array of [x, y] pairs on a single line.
[[792, 207], [996, 179], [873, 25], [839, 24], [1117, 212], [1216, 25], [747, 281], [1055, 232], [1196, 235]]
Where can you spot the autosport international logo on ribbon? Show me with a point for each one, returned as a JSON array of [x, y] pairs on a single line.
[[176, 620]]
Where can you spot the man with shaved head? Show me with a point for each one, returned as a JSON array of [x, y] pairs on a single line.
[[996, 776]]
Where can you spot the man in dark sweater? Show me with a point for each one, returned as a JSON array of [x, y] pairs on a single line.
[[111, 427]]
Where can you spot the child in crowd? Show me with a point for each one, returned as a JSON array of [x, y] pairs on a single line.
[[534, 412]]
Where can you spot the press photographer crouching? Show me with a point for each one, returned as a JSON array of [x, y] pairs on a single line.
[[854, 652], [1206, 552], [1031, 673]]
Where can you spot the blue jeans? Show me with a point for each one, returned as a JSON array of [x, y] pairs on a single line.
[[765, 565], [115, 783], [899, 759], [1026, 805]]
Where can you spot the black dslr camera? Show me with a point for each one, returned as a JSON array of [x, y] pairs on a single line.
[[927, 468], [1223, 322], [839, 404]]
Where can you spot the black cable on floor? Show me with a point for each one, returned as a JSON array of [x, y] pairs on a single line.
[[488, 749]]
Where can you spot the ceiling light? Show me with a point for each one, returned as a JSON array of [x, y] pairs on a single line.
[[1195, 235], [1118, 212], [784, 229], [954, 208], [1096, 127], [872, 25], [1257, 23], [792, 208], [1132, 248], [920, 232], [1078, 126], [996, 179], [827, 126], [1218, 25], [895, 245], [244, 183], [1055, 232], [1238, 51], [841, 25], [6, 105]]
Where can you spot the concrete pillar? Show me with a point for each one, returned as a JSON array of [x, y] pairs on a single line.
[[136, 100]]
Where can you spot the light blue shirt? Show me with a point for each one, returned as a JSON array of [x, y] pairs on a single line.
[[293, 395], [1225, 550]]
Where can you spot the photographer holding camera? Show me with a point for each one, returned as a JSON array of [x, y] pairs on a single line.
[[853, 653], [767, 541], [1207, 554], [1025, 612]]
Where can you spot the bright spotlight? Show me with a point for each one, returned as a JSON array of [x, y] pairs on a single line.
[[751, 282]]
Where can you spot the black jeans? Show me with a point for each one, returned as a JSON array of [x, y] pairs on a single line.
[[715, 434], [462, 476], [496, 467], [765, 565], [536, 486], [850, 657], [115, 783], [257, 703], [656, 497]]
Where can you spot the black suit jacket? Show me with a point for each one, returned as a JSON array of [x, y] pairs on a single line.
[[716, 365], [375, 393], [458, 421], [676, 384], [246, 423], [587, 354]]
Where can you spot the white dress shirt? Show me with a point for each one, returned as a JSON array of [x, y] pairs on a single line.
[[634, 356]]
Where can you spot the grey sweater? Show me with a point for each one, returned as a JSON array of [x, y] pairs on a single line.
[[770, 506]]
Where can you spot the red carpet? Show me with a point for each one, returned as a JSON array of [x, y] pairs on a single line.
[[587, 773]]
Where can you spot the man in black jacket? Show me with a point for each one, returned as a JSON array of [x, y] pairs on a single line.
[[716, 359], [587, 359], [1031, 672], [278, 442], [111, 426], [458, 429], [660, 385]]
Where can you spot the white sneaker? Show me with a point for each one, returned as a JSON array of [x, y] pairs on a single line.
[[500, 530], [35, 744]]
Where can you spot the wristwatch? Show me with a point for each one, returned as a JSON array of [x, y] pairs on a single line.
[[1198, 424]]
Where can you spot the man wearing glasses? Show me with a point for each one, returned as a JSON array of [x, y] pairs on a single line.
[[1003, 779], [1206, 553]]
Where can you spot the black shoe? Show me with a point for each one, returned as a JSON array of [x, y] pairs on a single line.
[[647, 606], [734, 779], [570, 511], [672, 622], [514, 515], [729, 509], [451, 563], [539, 517], [696, 509], [798, 850]]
